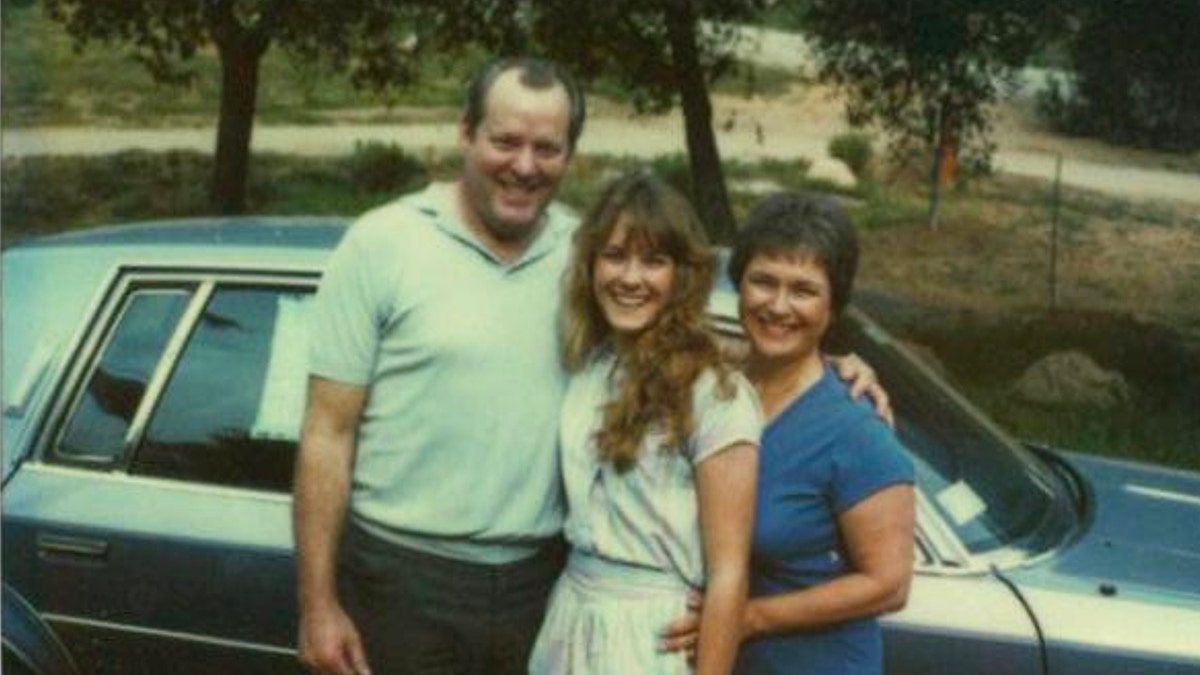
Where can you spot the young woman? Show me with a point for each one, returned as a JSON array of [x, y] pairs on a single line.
[[658, 447], [833, 533]]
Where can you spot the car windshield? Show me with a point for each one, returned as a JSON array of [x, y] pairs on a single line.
[[1001, 500]]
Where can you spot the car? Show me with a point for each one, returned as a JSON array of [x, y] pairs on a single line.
[[154, 379]]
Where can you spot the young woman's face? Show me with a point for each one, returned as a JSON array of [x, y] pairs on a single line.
[[785, 304], [632, 283]]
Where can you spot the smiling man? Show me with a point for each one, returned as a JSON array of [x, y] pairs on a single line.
[[427, 503]]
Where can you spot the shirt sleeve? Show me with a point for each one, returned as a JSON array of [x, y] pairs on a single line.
[[348, 310], [721, 421], [870, 459]]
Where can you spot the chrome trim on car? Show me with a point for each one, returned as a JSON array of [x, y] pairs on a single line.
[[107, 308], [165, 366], [156, 481], [175, 635], [99, 332], [199, 269], [947, 547], [19, 654], [17, 400], [1157, 493]]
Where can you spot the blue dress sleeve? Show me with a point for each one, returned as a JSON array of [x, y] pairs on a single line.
[[869, 459]]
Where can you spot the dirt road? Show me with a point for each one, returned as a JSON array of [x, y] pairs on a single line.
[[747, 130]]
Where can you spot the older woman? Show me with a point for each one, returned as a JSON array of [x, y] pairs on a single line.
[[833, 536]]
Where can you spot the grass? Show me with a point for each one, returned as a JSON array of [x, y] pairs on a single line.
[[1161, 432]]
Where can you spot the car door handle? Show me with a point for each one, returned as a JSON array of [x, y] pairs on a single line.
[[75, 548]]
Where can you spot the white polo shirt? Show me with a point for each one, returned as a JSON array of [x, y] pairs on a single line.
[[456, 446]]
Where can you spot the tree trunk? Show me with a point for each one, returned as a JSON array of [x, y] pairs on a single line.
[[948, 147], [708, 178], [239, 87], [944, 167]]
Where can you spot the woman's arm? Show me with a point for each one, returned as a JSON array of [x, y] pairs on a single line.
[[725, 483], [878, 534]]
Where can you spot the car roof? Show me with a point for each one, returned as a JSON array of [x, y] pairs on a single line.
[[321, 232]]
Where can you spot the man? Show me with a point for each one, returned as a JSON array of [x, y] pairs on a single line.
[[433, 404]]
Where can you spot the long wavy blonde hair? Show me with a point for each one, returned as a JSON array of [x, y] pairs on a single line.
[[659, 366]]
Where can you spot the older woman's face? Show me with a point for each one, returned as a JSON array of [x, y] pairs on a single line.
[[785, 304]]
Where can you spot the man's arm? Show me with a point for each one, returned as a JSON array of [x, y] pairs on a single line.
[[328, 641]]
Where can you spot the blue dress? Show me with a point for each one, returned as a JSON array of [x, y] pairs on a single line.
[[820, 456]]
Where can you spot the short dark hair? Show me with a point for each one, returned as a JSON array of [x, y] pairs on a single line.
[[535, 73], [799, 222]]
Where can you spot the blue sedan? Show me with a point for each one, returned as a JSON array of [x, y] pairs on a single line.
[[154, 379]]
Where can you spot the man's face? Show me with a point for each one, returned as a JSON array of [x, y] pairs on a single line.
[[515, 158]]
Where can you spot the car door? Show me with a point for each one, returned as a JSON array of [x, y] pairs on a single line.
[[151, 528]]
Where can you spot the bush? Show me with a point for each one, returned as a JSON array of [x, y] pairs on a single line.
[[855, 151], [52, 193], [384, 167]]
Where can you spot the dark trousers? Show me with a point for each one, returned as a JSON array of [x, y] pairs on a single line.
[[424, 614]]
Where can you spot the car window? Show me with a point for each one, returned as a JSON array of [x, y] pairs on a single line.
[[99, 425], [230, 412], [995, 495]]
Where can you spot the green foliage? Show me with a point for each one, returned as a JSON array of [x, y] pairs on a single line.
[[378, 42], [1136, 77], [46, 194], [49, 194], [1151, 430], [854, 150], [379, 167], [47, 81], [927, 71]]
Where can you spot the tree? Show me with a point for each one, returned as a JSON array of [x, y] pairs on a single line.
[[361, 35], [925, 70], [661, 51], [1137, 75]]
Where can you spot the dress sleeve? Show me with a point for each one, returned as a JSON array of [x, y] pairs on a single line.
[[869, 459], [346, 317], [721, 421]]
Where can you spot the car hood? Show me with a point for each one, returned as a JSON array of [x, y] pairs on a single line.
[[1139, 536]]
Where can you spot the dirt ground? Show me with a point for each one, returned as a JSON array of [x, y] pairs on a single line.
[[1129, 255]]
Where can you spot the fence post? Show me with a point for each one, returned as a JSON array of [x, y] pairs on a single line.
[[1055, 200]]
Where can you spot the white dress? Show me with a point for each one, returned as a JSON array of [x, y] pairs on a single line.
[[635, 536]]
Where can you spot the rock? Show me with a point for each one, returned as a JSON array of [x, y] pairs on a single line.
[[1071, 379]]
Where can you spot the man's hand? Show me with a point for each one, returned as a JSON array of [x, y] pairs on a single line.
[[329, 644], [850, 368], [683, 633]]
